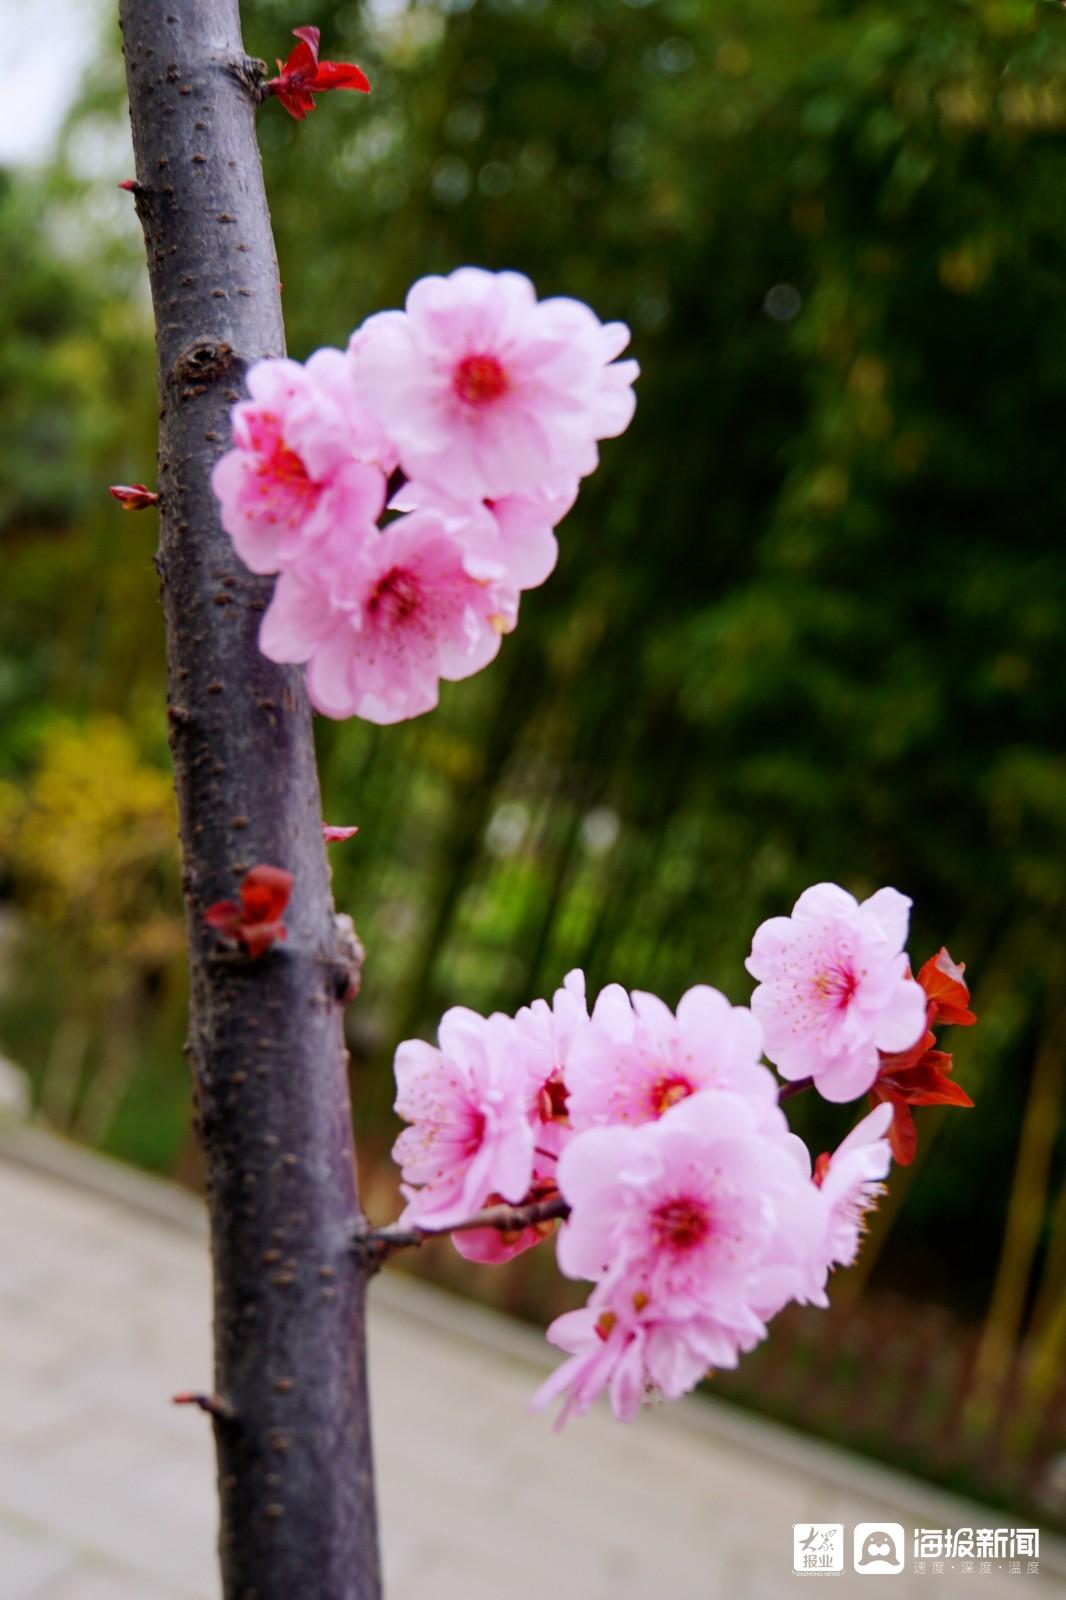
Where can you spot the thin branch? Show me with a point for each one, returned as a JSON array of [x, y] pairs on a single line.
[[379, 1243], [214, 1405]]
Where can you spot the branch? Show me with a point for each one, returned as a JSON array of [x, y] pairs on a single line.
[[266, 1040], [377, 1244], [213, 1404]]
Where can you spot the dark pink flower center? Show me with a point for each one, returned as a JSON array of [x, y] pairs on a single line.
[[280, 470], [837, 985], [667, 1091], [680, 1224], [394, 597], [552, 1101], [475, 1136], [478, 380]]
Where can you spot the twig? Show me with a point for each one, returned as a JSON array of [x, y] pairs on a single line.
[[213, 1404], [379, 1243]]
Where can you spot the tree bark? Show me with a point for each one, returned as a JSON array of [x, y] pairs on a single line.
[[266, 1037]]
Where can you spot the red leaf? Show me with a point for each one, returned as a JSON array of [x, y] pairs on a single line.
[[949, 997], [341, 75], [225, 916], [920, 1076], [902, 1060], [303, 73], [308, 36], [902, 1135], [134, 496], [927, 1084], [256, 923], [265, 893]]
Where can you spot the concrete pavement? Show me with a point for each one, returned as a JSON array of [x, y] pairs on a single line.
[[106, 1490]]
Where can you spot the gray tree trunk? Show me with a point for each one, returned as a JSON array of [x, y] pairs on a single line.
[[266, 1037]]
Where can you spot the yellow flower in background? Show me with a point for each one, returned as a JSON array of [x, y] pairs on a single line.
[[91, 842]]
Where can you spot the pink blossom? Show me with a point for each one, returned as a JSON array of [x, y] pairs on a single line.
[[605, 1353], [851, 1183], [515, 530], [544, 1036], [633, 1355], [695, 1229], [697, 1218], [550, 1035], [835, 988], [468, 1103], [381, 623], [488, 392], [307, 460], [637, 1059]]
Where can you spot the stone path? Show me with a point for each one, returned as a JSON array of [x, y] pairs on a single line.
[[106, 1490]]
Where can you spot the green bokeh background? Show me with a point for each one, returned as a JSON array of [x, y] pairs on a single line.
[[806, 622]]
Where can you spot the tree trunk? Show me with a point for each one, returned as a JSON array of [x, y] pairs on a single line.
[[266, 1037]]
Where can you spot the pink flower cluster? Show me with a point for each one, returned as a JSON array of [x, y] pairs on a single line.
[[691, 1208], [407, 490]]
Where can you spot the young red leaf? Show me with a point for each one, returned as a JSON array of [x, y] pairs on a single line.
[[928, 1084], [894, 1064], [341, 75], [265, 892], [920, 1076], [902, 1134], [942, 979], [303, 76], [134, 496], [255, 924]]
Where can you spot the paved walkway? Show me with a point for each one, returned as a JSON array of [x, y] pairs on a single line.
[[106, 1490]]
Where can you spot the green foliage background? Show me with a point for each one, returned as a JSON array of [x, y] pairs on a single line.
[[807, 619]]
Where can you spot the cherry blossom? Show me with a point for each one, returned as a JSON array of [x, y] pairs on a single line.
[[695, 1229], [544, 1035], [635, 1355], [550, 1035], [851, 1183], [605, 1353], [698, 1215], [381, 622], [488, 392], [307, 461], [478, 408], [516, 529], [468, 1102], [637, 1059], [835, 988]]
